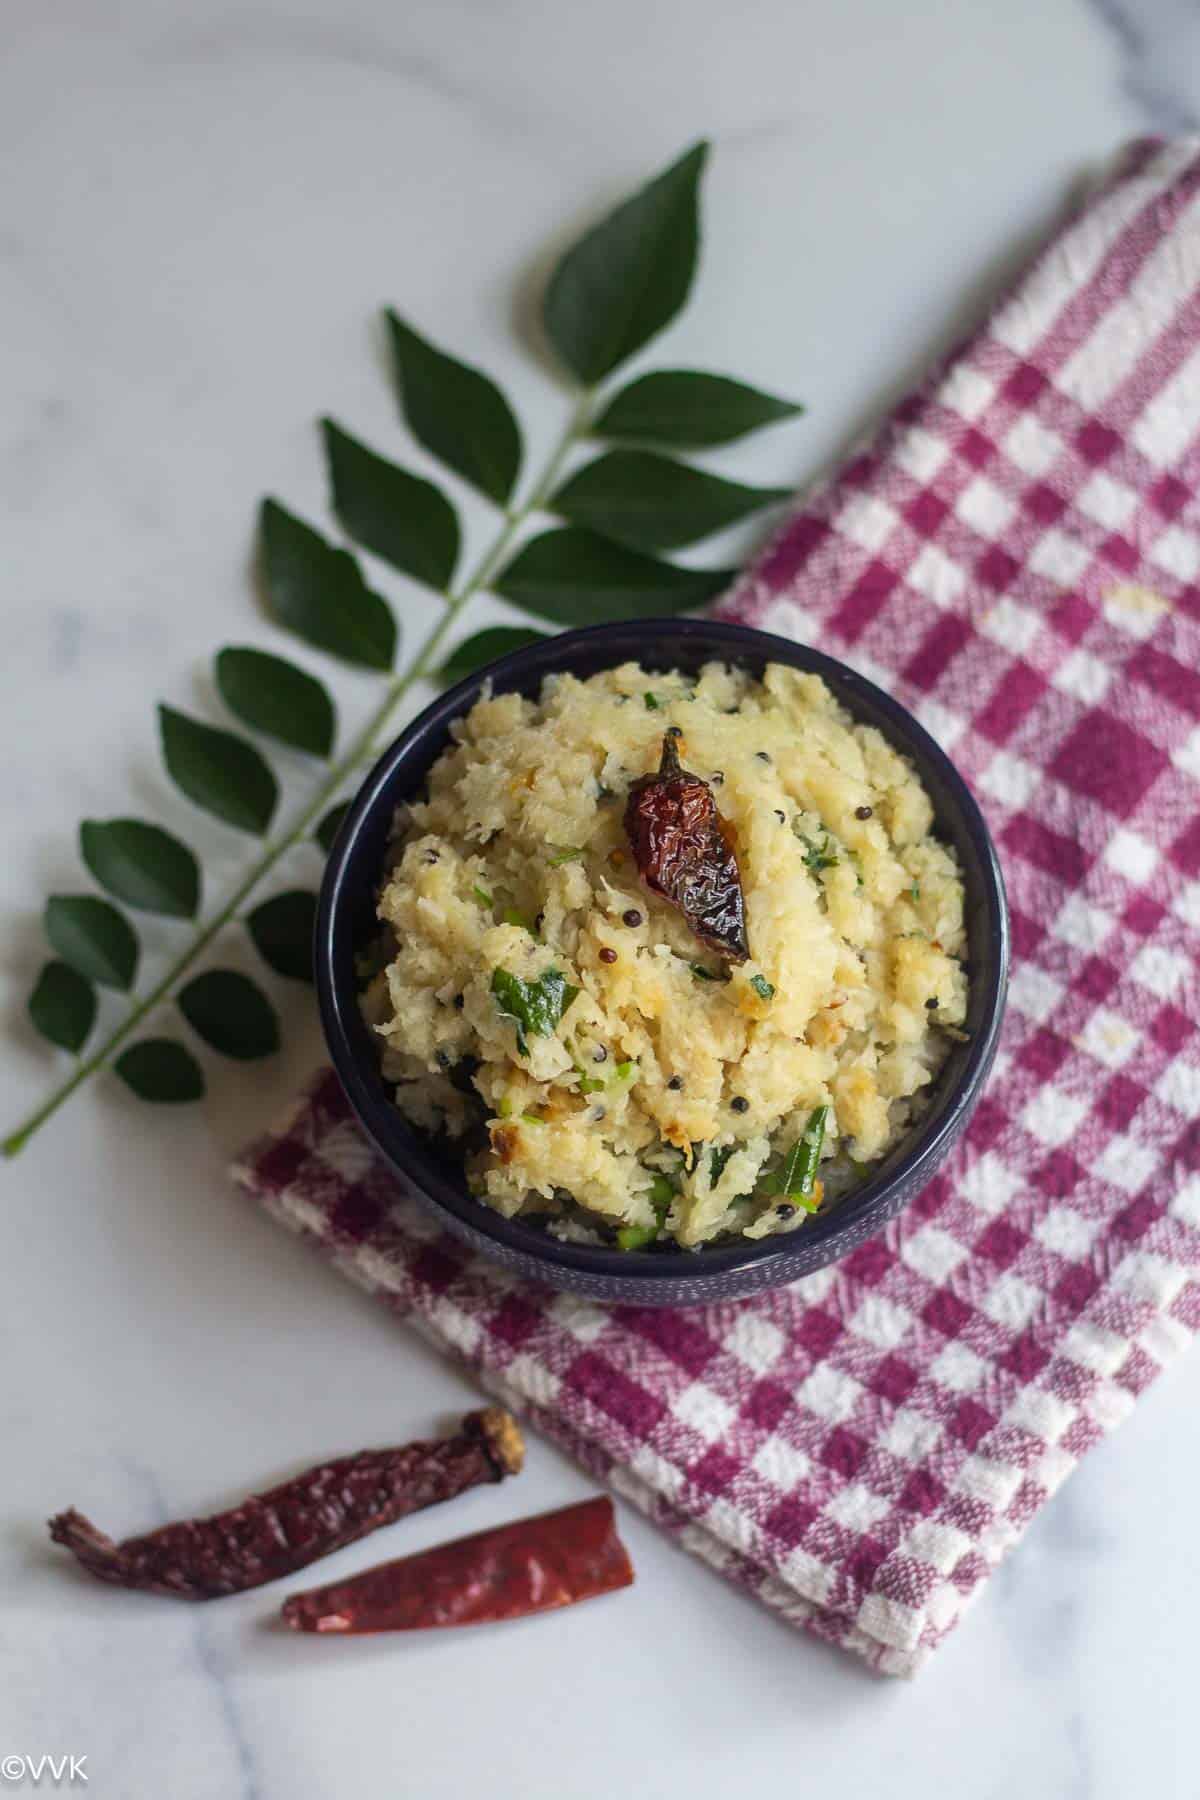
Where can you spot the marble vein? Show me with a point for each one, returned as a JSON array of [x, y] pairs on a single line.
[[1158, 42]]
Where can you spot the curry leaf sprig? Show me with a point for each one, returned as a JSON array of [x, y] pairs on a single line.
[[614, 290]]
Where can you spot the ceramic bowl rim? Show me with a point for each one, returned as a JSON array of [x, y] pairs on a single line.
[[349, 1041]]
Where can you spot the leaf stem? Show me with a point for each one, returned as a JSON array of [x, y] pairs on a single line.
[[360, 752]]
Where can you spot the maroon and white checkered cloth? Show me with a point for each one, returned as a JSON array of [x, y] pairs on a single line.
[[1017, 557]]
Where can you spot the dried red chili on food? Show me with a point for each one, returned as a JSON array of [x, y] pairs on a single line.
[[290, 1526], [530, 1566], [683, 852]]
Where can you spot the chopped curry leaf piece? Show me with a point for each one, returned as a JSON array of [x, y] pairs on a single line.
[[532, 1119], [798, 1174], [565, 853], [703, 974], [915, 891], [818, 856], [716, 1162], [651, 702], [762, 987], [482, 895], [510, 916], [534, 1006]]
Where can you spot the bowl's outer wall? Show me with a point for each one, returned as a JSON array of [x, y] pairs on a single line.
[[346, 917]]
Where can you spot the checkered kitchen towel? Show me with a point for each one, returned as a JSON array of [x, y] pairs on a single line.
[[1017, 557]]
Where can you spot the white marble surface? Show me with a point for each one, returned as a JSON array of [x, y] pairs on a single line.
[[202, 206]]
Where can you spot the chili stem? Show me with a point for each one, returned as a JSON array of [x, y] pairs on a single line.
[[363, 748]]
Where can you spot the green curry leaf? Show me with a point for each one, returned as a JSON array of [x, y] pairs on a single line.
[[272, 695], [142, 864], [798, 1174], [486, 647], [230, 1012], [534, 1006], [401, 517], [629, 276], [577, 577], [96, 940], [63, 1005], [282, 929], [218, 771], [655, 503], [457, 412], [689, 409], [318, 591], [162, 1071]]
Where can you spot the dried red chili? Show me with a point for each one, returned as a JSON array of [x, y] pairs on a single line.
[[683, 852], [509, 1572], [290, 1526]]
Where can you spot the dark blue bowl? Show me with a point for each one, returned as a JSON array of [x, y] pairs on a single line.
[[346, 920]]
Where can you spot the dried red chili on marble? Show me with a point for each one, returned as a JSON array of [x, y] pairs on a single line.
[[683, 852], [290, 1526], [531, 1566]]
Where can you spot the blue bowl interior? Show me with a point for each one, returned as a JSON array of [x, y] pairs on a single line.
[[347, 920]]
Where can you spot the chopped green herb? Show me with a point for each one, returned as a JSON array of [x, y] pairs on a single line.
[[534, 1006], [532, 1119], [762, 987], [565, 853], [483, 897], [915, 891], [591, 1084], [504, 1109], [651, 702], [510, 916], [636, 1237], [818, 856], [716, 1162], [703, 974], [798, 1175], [856, 859]]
